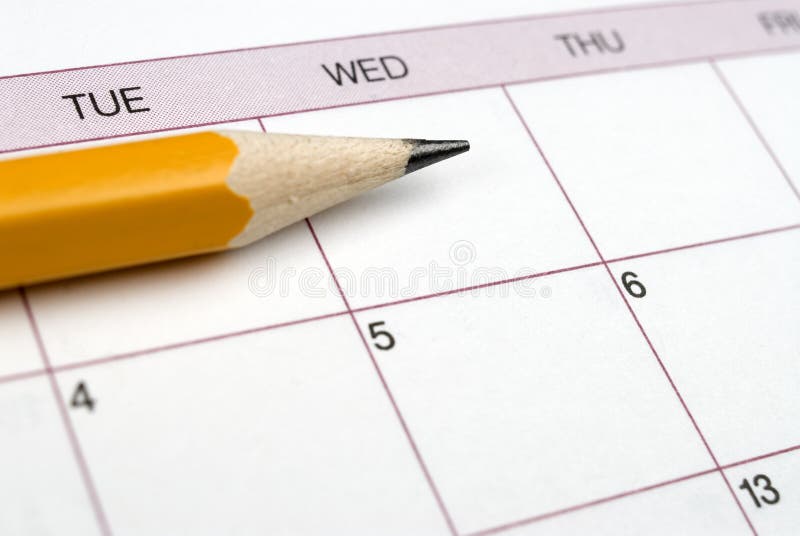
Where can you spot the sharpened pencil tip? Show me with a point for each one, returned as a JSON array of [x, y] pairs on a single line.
[[427, 152]]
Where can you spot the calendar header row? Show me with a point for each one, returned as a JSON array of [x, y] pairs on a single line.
[[73, 105]]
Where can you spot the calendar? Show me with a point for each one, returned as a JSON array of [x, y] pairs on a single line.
[[588, 324]]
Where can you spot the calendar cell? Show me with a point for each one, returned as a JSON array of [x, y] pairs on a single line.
[[656, 158], [723, 318], [525, 405], [431, 231], [279, 279], [288, 429]]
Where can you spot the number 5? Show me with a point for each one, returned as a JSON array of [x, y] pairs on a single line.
[[375, 333]]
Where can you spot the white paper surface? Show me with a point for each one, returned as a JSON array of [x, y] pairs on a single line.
[[593, 315]]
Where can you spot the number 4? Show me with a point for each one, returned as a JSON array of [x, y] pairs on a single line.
[[82, 398], [375, 333]]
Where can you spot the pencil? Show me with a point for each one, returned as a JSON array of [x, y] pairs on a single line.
[[78, 212]]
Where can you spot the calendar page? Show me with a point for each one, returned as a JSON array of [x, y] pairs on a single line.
[[588, 324]]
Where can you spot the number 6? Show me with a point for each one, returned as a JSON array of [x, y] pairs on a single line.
[[634, 287]]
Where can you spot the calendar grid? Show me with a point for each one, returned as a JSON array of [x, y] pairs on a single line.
[[52, 371], [75, 444], [399, 414], [630, 309], [628, 305], [384, 384], [80, 364]]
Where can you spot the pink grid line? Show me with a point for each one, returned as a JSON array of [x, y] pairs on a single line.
[[753, 126], [431, 485], [760, 457], [35, 373], [582, 506], [579, 267], [388, 391], [476, 287], [636, 491], [596, 11], [630, 309], [190, 342], [608, 70], [202, 340], [88, 483], [707, 243]]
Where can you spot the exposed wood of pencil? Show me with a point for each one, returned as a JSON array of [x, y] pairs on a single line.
[[287, 178]]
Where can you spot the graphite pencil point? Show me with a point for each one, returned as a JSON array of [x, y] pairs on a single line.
[[427, 152]]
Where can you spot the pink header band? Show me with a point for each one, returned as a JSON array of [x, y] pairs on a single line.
[[45, 109]]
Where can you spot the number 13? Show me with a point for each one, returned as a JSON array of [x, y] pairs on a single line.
[[763, 482]]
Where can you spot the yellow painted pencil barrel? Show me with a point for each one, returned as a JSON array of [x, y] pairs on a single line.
[[78, 212]]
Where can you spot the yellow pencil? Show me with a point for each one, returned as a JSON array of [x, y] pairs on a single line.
[[72, 213]]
